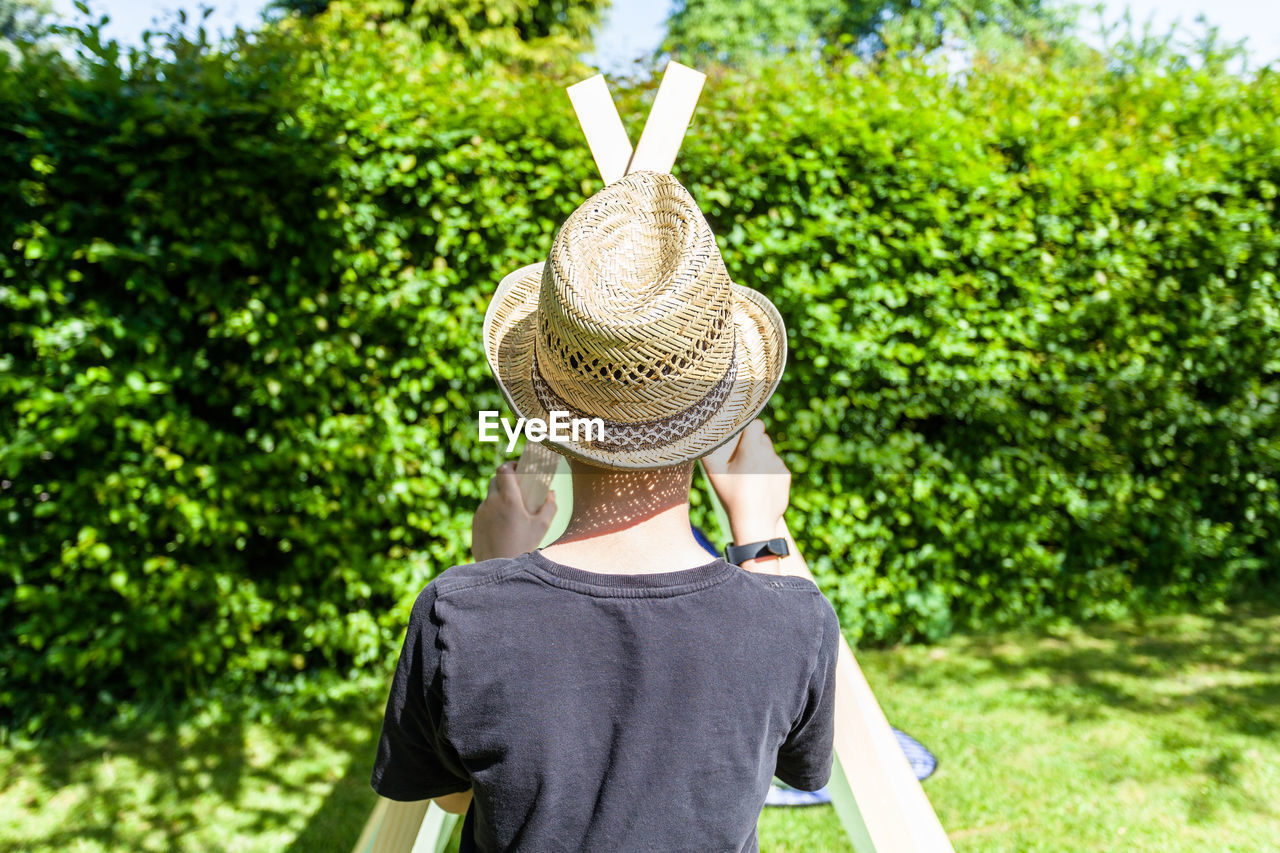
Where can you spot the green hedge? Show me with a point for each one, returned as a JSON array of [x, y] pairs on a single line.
[[1034, 327], [1032, 317]]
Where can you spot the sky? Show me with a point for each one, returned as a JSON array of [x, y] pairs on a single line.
[[634, 27]]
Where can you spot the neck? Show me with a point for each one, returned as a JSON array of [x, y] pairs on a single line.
[[629, 522]]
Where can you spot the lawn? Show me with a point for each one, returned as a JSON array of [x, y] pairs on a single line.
[[1155, 736]]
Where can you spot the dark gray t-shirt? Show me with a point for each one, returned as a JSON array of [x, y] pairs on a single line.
[[618, 713]]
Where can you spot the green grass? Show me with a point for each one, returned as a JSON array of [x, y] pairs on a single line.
[[1156, 736], [1159, 736]]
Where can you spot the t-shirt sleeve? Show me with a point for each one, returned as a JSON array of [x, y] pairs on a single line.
[[415, 761], [805, 757]]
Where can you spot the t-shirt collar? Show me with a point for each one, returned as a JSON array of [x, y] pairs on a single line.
[[639, 585]]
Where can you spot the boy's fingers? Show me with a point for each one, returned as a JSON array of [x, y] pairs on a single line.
[[504, 479], [750, 441], [761, 435], [548, 509], [717, 460], [752, 449], [755, 453], [763, 444]]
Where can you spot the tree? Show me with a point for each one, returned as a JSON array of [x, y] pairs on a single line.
[[527, 29], [22, 22], [735, 31]]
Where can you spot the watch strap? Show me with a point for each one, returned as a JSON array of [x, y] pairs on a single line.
[[739, 554]]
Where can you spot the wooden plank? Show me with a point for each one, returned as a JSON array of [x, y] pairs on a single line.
[[846, 807], [396, 827], [606, 137], [668, 120], [392, 827], [437, 826], [842, 797], [562, 485], [365, 842], [717, 508], [890, 803]]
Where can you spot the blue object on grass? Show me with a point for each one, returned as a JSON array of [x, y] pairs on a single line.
[[921, 760]]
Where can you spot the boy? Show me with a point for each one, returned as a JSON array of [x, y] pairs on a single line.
[[617, 691]]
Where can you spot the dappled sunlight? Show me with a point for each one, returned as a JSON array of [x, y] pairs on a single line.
[[606, 501], [292, 778], [1154, 733]]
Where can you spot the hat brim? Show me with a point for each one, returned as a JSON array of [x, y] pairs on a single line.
[[510, 327]]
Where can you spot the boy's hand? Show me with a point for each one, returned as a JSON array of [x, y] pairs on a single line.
[[502, 527], [753, 484]]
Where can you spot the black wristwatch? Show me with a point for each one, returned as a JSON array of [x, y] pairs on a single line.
[[739, 554]]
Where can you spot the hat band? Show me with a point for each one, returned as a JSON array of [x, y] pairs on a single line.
[[619, 435]]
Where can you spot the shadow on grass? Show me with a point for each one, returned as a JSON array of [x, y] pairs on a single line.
[[1226, 667], [171, 784], [233, 783], [337, 823], [1175, 712]]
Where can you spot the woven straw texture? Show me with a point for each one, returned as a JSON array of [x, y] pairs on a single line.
[[633, 319]]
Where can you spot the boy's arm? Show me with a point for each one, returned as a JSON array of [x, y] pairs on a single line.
[[454, 803], [502, 527], [806, 756], [754, 487], [415, 762]]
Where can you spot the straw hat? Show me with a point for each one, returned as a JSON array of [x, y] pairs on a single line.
[[633, 319]]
